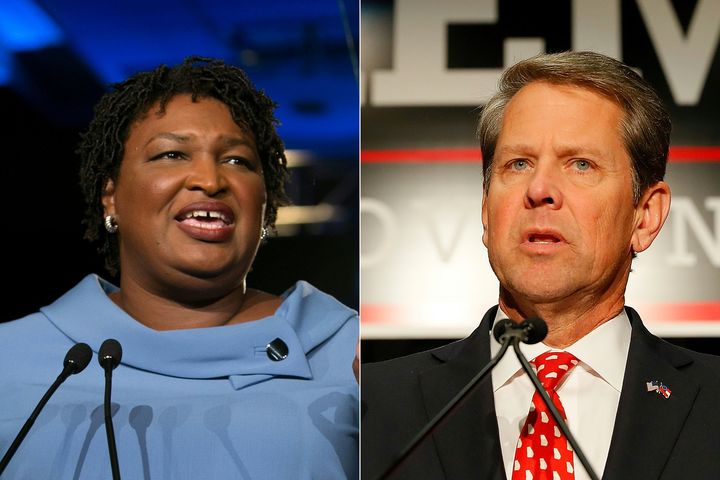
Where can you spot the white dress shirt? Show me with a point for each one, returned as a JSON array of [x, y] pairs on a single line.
[[589, 393]]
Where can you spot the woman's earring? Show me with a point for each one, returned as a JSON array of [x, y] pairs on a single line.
[[263, 234], [110, 224]]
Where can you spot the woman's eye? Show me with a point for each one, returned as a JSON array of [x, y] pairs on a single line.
[[172, 155], [241, 161]]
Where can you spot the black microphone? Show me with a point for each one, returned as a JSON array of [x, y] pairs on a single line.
[[76, 359], [533, 330], [506, 332], [109, 356]]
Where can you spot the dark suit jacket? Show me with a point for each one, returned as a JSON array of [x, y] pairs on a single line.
[[653, 437]]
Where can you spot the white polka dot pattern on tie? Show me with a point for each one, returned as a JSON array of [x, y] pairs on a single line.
[[543, 452]]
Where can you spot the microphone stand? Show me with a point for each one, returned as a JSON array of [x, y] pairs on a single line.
[[76, 360], [412, 445], [515, 341], [109, 357], [33, 416], [110, 432]]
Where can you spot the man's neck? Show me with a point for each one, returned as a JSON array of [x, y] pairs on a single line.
[[567, 321]]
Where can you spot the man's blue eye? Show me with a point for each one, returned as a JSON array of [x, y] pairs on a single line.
[[520, 164], [582, 164]]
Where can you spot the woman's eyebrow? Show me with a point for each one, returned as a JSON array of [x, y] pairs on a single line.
[[169, 136], [230, 141]]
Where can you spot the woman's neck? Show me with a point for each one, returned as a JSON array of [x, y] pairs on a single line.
[[162, 310]]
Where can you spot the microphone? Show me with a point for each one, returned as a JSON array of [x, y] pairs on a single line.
[[76, 359], [506, 332], [530, 331], [109, 357]]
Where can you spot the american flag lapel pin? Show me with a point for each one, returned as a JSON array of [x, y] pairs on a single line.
[[659, 388]]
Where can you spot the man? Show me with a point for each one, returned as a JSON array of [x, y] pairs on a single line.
[[575, 147]]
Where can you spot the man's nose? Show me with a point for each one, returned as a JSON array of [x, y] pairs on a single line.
[[544, 188]]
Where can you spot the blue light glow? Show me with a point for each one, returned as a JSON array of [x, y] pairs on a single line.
[[25, 26], [5, 67]]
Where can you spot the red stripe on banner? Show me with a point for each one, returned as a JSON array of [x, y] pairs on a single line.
[[378, 314], [694, 154], [372, 314], [446, 155], [472, 155], [679, 312]]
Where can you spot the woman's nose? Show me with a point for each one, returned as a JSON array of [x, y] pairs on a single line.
[[206, 175]]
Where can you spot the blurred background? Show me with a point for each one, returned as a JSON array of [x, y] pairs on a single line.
[[428, 67], [57, 57]]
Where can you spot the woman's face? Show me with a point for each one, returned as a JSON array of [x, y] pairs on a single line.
[[190, 197]]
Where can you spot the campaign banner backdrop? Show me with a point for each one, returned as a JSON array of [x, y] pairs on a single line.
[[428, 66]]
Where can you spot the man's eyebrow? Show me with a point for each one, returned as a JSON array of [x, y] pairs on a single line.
[[561, 151], [517, 149], [570, 150]]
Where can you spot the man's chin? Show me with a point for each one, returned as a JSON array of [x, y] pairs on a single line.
[[526, 294]]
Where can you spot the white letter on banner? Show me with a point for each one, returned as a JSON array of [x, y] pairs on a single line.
[[685, 59], [596, 27], [686, 217], [420, 75], [385, 216], [445, 223]]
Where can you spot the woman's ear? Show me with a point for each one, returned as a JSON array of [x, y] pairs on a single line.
[[108, 197], [650, 215]]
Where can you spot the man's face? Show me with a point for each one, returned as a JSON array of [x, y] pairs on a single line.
[[558, 214]]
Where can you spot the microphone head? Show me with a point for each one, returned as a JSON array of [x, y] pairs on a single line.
[[110, 353], [535, 330], [501, 328], [77, 358]]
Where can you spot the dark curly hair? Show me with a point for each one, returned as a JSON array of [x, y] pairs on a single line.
[[101, 148]]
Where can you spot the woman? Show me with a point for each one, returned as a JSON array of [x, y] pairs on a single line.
[[183, 173]]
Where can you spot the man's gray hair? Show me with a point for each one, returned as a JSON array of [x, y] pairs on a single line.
[[645, 125]]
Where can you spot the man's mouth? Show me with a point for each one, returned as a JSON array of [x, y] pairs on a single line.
[[541, 238]]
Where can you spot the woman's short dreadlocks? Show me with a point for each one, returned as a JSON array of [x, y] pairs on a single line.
[[101, 148]]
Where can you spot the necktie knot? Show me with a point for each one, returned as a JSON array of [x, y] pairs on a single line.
[[553, 366]]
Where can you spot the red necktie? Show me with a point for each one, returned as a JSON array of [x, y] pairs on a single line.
[[543, 452]]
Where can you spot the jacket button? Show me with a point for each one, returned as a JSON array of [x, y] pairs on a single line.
[[277, 350]]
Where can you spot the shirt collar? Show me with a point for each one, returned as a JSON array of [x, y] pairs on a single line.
[[602, 352], [305, 319]]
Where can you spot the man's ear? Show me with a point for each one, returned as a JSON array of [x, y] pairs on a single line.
[[108, 197], [485, 220], [650, 215]]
